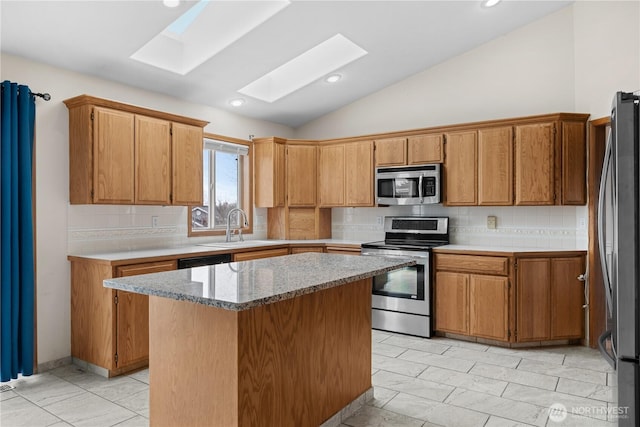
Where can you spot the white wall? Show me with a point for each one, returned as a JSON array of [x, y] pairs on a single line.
[[528, 71], [94, 227]]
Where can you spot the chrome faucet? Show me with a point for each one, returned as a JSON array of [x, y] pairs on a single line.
[[246, 223]]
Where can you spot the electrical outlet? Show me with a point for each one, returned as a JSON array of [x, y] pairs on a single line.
[[154, 221], [379, 220], [492, 222], [582, 223]]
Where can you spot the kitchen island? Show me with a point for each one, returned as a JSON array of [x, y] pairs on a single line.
[[283, 341]]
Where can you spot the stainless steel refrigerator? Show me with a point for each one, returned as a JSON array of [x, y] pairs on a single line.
[[619, 245]]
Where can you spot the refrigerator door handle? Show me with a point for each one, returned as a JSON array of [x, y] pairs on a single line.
[[606, 277], [602, 346]]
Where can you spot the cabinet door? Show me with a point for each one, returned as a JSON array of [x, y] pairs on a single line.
[[533, 301], [534, 164], [113, 154], [359, 173], [132, 314], [301, 175], [187, 146], [280, 178], [567, 297], [495, 166], [574, 161], [424, 149], [153, 165], [489, 307], [391, 152], [460, 168], [331, 184], [452, 302]]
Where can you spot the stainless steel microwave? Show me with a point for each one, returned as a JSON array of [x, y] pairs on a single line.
[[408, 185]]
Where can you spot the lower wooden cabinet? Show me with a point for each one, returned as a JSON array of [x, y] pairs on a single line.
[[472, 304], [550, 298], [344, 249], [522, 297], [109, 328], [304, 249], [264, 253]]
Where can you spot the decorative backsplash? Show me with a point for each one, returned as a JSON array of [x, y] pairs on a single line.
[[100, 228]]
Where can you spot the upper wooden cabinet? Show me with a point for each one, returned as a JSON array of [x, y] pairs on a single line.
[[269, 159], [302, 163], [495, 166], [391, 152], [413, 150], [550, 162], [123, 154], [531, 161], [345, 174], [425, 149], [460, 169]]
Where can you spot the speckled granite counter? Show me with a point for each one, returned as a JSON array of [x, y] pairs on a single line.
[[243, 285]]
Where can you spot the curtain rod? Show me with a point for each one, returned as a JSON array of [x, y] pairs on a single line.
[[44, 96]]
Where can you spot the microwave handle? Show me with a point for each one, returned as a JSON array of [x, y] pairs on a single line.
[[420, 189]]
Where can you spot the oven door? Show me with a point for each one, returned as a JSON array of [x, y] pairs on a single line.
[[404, 290]]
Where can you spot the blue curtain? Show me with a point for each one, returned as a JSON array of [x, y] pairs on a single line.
[[17, 249]]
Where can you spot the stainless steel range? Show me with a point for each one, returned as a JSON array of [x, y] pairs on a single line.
[[401, 299]]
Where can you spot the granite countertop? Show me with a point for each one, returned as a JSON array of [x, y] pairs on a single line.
[[201, 249], [243, 285]]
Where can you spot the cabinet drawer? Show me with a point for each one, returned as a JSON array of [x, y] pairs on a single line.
[[266, 253], [473, 264], [304, 249], [145, 268]]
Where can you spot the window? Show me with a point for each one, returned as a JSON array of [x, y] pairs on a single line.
[[225, 185]]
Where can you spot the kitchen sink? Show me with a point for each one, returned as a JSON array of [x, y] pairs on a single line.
[[245, 244]]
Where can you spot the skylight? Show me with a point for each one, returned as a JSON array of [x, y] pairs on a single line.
[[304, 69], [204, 30]]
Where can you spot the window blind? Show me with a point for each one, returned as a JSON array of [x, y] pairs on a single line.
[[225, 147]]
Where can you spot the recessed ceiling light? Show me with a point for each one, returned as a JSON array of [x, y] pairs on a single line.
[[204, 30], [333, 78], [236, 102], [171, 3], [490, 3], [324, 58]]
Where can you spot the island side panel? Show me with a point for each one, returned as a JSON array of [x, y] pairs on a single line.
[[302, 360], [193, 360]]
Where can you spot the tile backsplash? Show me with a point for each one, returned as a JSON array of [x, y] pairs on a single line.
[[103, 228]]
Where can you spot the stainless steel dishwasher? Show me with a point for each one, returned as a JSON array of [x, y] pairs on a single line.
[[199, 261]]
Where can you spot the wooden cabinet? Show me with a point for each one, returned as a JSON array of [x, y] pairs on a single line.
[[495, 166], [391, 152], [113, 154], [305, 249], [123, 154], [460, 169], [550, 298], [425, 149], [153, 161], [472, 296], [264, 253], [269, 172], [345, 175], [343, 249], [301, 175], [109, 328], [413, 150], [187, 172], [534, 164], [550, 163]]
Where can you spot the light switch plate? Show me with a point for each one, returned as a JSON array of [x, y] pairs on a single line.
[[492, 222]]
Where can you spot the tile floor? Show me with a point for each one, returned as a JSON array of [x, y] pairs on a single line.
[[417, 382]]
